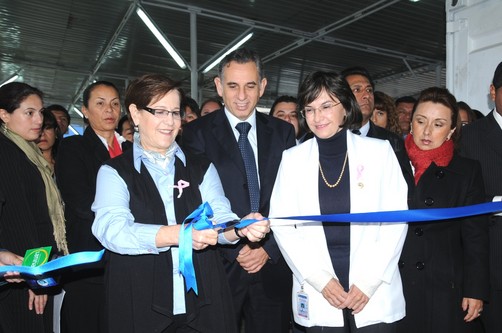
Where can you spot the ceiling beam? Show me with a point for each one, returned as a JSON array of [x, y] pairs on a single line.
[[377, 50], [373, 8], [305, 36], [104, 53], [405, 74]]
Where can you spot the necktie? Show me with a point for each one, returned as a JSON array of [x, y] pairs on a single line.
[[249, 164]]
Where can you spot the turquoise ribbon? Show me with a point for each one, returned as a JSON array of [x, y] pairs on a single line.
[[198, 219], [45, 270]]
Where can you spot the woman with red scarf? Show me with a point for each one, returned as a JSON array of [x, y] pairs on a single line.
[[444, 264]]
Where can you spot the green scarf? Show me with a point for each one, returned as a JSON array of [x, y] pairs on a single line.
[[54, 202]]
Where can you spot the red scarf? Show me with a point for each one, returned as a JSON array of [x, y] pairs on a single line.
[[115, 149], [421, 159]]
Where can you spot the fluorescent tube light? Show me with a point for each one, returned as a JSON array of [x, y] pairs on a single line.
[[78, 112], [11, 79], [233, 48], [156, 32], [74, 131]]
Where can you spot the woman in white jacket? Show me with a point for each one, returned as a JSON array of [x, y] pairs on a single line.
[[345, 275]]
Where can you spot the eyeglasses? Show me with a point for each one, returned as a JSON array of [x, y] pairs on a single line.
[[323, 109], [163, 114]]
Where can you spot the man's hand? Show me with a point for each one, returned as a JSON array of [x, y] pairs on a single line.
[[255, 232], [474, 307], [252, 259]]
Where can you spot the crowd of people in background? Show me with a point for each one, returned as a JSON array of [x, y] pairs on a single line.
[[340, 146]]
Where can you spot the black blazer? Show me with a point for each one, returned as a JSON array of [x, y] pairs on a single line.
[[212, 136], [24, 224], [24, 217], [444, 261], [77, 163], [481, 141]]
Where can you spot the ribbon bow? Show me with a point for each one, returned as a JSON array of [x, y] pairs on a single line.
[[199, 219]]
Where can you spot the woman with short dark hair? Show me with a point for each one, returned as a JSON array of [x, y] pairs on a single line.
[[142, 198], [345, 275]]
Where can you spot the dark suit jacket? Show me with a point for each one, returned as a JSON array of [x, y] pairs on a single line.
[[78, 161], [482, 141], [397, 144], [212, 136], [24, 224], [444, 261]]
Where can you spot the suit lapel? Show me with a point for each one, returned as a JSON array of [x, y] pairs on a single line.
[[264, 137], [371, 131], [225, 138], [493, 135], [96, 145]]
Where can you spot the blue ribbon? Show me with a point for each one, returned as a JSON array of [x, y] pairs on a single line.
[[198, 219], [70, 260], [411, 215]]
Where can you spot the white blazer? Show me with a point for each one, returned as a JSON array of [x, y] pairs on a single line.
[[376, 184]]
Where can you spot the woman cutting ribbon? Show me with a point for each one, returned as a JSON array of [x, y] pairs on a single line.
[[141, 199], [345, 276]]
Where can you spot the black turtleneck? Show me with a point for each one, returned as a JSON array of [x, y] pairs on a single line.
[[336, 200]]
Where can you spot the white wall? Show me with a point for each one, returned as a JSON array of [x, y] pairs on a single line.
[[474, 49]]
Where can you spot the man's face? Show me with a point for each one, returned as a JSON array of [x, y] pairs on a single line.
[[404, 111], [496, 95], [62, 120], [241, 88], [363, 91], [287, 111]]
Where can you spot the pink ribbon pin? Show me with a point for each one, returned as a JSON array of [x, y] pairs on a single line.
[[181, 185], [360, 169]]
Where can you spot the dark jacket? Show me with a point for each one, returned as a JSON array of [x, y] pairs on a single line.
[[24, 224], [444, 261], [77, 164], [481, 141], [212, 136]]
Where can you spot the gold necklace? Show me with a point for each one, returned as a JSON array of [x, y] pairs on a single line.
[[341, 173]]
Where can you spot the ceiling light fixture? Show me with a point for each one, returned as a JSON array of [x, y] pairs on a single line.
[[11, 79], [160, 36], [233, 48], [74, 131], [78, 112]]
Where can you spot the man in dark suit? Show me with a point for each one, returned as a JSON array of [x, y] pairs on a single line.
[[259, 277], [363, 86], [482, 141]]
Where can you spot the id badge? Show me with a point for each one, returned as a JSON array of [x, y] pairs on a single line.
[[302, 301]]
